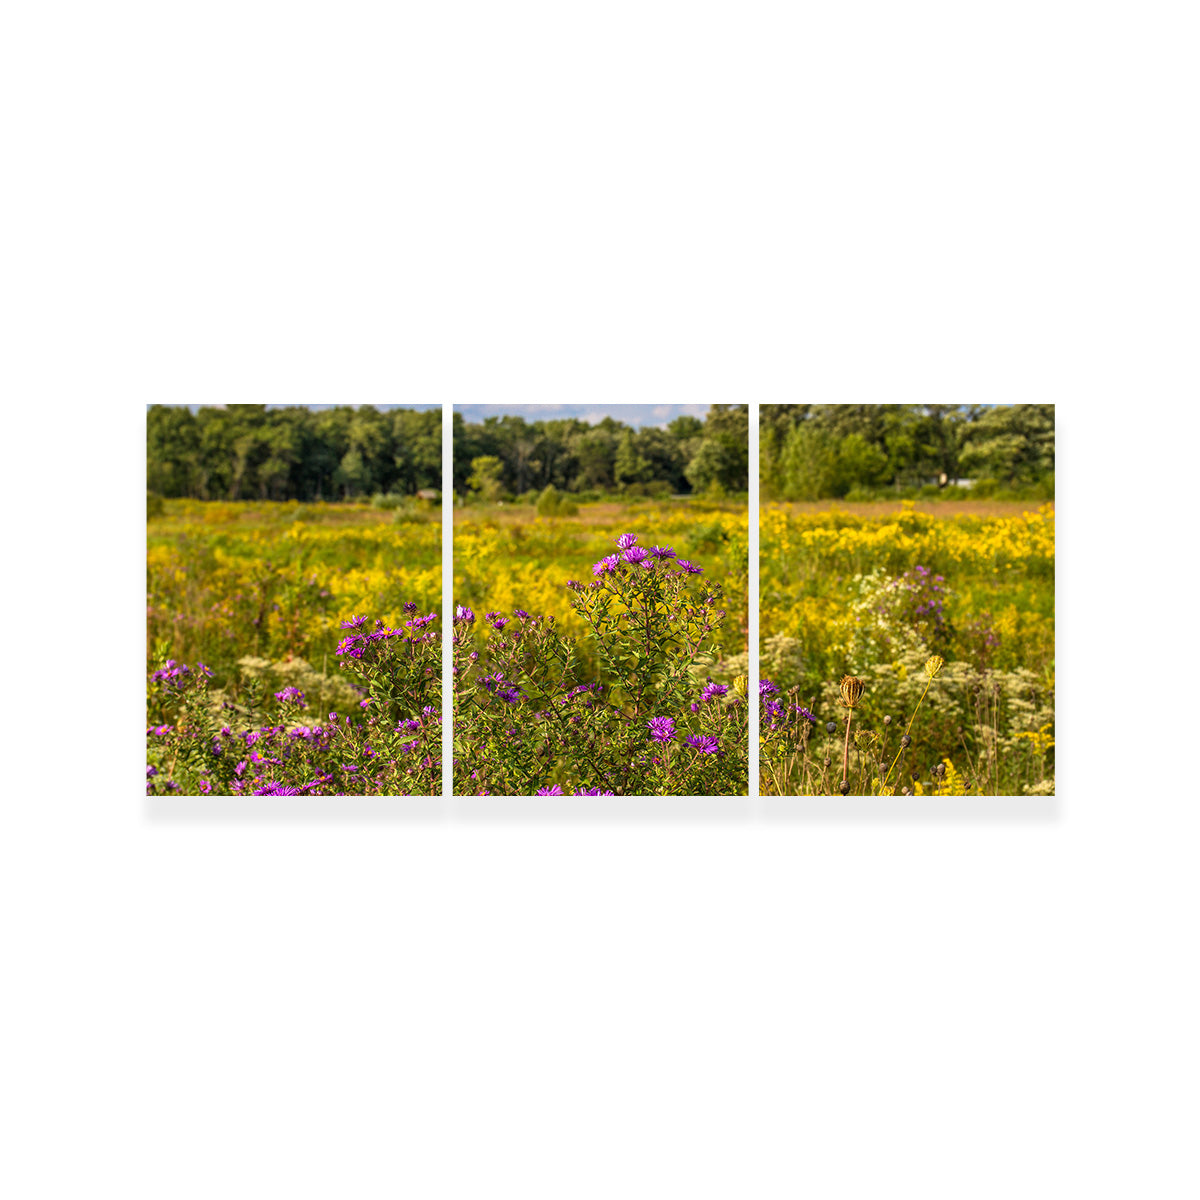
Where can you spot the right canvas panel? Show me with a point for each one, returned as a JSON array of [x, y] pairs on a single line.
[[906, 581]]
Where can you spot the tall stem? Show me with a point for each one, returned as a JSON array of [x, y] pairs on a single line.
[[846, 752], [906, 733]]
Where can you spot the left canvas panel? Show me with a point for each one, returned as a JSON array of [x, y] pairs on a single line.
[[294, 587]]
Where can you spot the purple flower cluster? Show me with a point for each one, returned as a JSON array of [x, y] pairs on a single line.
[[634, 555], [286, 758], [662, 729]]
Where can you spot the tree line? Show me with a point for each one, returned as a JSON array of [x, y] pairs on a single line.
[[821, 451], [508, 455], [252, 452]]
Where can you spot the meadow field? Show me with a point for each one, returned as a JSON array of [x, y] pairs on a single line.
[[507, 557], [944, 614], [261, 587]]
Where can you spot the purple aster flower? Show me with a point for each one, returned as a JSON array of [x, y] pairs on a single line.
[[463, 613], [491, 616], [278, 789], [626, 540], [714, 689], [662, 551], [591, 792], [607, 565], [805, 713], [662, 729], [500, 622], [767, 688], [550, 791], [410, 606], [706, 745], [353, 623], [291, 693], [635, 554], [690, 568], [520, 612], [151, 771], [419, 622]]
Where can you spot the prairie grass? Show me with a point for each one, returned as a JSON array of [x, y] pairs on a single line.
[[271, 581], [877, 597], [507, 557]]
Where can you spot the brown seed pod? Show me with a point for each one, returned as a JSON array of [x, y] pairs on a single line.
[[851, 689]]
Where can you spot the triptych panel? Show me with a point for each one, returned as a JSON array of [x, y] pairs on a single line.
[[540, 601]]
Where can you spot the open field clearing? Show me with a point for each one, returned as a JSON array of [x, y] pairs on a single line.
[[273, 580], [846, 591], [507, 557]]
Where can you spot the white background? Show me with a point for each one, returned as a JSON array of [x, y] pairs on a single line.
[[550, 202]]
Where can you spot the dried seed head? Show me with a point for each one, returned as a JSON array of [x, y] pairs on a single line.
[[831, 727], [827, 760], [934, 665], [844, 786], [906, 791], [887, 720], [851, 689], [906, 741]]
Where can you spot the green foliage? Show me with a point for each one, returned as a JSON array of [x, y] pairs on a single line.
[[862, 452], [484, 480], [594, 461], [551, 503], [251, 452]]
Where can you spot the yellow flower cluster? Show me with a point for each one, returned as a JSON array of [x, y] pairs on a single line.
[[525, 563], [227, 580], [999, 569]]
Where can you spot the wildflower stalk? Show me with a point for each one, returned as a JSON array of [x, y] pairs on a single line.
[[932, 667]]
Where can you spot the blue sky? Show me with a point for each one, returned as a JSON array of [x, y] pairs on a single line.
[[636, 415]]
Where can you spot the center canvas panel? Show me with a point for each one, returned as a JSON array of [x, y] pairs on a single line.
[[600, 590]]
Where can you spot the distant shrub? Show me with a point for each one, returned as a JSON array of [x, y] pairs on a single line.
[[859, 495], [552, 503], [389, 500], [154, 505]]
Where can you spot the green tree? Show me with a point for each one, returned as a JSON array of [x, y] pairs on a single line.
[[484, 480]]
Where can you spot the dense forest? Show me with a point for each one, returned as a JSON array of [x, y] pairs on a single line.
[[252, 452], [510, 456], [859, 451]]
